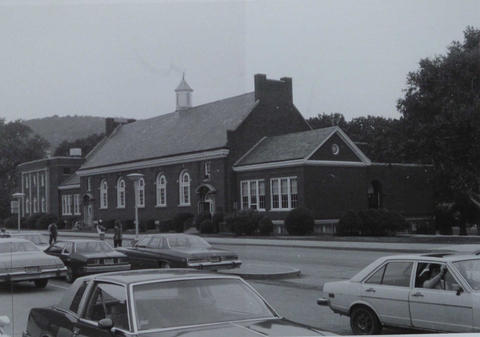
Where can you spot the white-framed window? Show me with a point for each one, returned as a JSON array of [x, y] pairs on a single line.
[[284, 193], [121, 193], [161, 190], [43, 205], [141, 193], [27, 205], [184, 188], [77, 203], [35, 208], [253, 194], [206, 170], [89, 183], [67, 204], [103, 194], [34, 181], [26, 182], [42, 180]]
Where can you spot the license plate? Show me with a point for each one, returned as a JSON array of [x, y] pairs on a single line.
[[108, 261], [215, 259], [32, 269]]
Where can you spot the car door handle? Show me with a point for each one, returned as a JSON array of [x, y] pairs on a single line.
[[370, 290], [417, 295]]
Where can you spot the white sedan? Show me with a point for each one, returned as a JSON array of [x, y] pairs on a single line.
[[433, 292], [22, 260]]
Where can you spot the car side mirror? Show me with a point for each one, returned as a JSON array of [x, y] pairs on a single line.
[[457, 288], [105, 323]]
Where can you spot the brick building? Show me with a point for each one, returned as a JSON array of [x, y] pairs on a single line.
[[249, 151]]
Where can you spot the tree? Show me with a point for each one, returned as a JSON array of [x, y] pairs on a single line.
[[18, 145], [327, 120], [86, 144], [441, 111]]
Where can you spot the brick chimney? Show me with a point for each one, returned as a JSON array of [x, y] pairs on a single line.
[[273, 90], [112, 123]]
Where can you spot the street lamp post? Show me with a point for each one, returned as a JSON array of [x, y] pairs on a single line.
[[135, 177], [19, 196]]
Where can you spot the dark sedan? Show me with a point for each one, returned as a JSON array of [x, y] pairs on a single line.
[[167, 303], [83, 257], [178, 251]]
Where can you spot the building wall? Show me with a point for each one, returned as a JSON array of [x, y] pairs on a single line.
[[151, 211]]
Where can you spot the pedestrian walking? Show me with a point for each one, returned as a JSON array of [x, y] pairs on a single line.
[[118, 236], [101, 230], [52, 231]]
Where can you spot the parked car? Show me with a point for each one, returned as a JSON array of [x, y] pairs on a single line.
[[178, 251], [395, 291], [21, 260], [174, 302], [36, 237], [88, 256], [4, 321]]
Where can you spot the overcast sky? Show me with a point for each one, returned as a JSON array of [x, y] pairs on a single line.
[[125, 58]]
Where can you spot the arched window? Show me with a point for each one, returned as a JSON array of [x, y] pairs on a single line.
[[375, 195], [184, 188], [161, 190], [103, 194], [120, 193], [141, 193]]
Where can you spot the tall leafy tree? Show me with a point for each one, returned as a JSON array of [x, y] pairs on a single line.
[[441, 110], [18, 144], [86, 144]]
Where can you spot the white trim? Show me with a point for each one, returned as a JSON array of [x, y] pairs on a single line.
[[155, 162], [402, 165], [298, 162]]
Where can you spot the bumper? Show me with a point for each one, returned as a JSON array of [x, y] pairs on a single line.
[[24, 276], [104, 269], [215, 265]]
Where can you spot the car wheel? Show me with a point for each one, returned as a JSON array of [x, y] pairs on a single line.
[[165, 265], [364, 321], [70, 277], [41, 283]]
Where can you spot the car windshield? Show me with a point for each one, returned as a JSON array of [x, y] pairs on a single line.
[[92, 246], [37, 239], [470, 270], [190, 302], [187, 242], [11, 247]]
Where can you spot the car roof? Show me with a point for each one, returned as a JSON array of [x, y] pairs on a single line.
[[80, 240], [169, 235], [147, 275]]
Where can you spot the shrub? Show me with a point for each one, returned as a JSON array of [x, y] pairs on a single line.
[[205, 215], [60, 223], [128, 224], [142, 227], [350, 224], [45, 220], [396, 223], [299, 221], [207, 227], [178, 221], [245, 223], [217, 219], [165, 226], [266, 226], [444, 219], [32, 220], [11, 222]]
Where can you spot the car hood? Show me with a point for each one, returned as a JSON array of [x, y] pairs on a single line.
[[269, 327], [27, 259]]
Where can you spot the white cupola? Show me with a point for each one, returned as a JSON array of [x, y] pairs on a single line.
[[184, 95]]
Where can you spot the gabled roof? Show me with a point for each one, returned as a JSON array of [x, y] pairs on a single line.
[[295, 147], [72, 181], [199, 128]]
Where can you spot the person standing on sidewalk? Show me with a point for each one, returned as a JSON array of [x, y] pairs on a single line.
[[101, 230], [52, 231], [118, 236]]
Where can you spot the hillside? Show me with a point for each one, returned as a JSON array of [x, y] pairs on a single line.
[[56, 129]]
